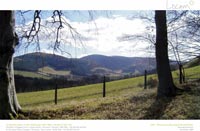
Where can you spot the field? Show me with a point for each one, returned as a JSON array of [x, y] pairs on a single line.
[[125, 99], [30, 74], [44, 73], [51, 71]]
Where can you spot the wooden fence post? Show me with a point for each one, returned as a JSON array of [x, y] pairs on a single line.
[[104, 86], [145, 79], [56, 91], [180, 74]]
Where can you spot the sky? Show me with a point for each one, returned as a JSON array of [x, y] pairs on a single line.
[[99, 33]]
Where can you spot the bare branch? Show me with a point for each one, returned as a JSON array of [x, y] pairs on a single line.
[[60, 26], [35, 26], [175, 16]]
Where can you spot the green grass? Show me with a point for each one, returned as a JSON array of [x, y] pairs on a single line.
[[193, 62], [124, 100], [51, 71], [190, 73], [46, 70], [82, 93]]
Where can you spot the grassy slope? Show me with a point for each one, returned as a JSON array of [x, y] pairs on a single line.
[[125, 100], [30, 74], [50, 70], [78, 93], [47, 70], [193, 62]]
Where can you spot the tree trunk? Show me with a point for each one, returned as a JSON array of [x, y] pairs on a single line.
[[9, 106], [166, 87]]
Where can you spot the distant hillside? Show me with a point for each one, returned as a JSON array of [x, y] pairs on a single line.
[[35, 62], [93, 64], [122, 64]]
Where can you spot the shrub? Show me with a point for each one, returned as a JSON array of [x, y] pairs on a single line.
[[152, 82], [140, 85]]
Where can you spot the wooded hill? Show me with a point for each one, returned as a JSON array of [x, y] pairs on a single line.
[[93, 64], [39, 71]]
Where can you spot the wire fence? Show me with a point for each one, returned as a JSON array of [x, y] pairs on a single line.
[[188, 77]]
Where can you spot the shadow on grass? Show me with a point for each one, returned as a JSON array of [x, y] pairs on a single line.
[[78, 97], [59, 100], [54, 114], [157, 108]]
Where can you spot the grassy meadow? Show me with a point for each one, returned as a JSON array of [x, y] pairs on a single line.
[[125, 99], [49, 70], [41, 71], [30, 74]]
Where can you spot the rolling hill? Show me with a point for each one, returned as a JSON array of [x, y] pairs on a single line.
[[94, 64], [51, 64], [122, 64]]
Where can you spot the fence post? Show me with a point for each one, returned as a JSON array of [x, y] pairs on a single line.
[[183, 74], [145, 79], [180, 74], [183, 78], [104, 86], [56, 91]]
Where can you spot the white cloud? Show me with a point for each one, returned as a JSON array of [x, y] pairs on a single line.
[[100, 36], [105, 31]]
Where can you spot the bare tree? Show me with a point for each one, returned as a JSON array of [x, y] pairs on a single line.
[[9, 40], [9, 105], [166, 87]]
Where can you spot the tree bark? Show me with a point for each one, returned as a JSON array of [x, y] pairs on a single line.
[[166, 87], [9, 106]]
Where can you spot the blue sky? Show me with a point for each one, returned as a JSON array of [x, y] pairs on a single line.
[[78, 15], [100, 33]]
